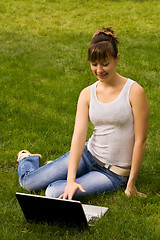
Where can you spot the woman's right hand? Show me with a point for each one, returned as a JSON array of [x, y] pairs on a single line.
[[133, 192], [70, 190]]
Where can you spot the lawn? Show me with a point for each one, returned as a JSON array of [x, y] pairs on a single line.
[[43, 68]]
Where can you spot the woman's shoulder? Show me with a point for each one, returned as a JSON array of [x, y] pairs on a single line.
[[86, 91], [85, 94], [137, 94], [136, 89]]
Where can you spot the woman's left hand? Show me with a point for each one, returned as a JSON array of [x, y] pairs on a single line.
[[133, 192]]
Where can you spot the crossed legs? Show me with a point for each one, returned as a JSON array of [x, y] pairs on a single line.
[[53, 175]]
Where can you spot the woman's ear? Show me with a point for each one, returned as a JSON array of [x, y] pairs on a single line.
[[117, 58]]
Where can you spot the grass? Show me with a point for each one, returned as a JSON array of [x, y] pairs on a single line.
[[43, 68]]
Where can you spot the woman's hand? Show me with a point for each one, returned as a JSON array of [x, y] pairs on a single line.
[[70, 190], [133, 192]]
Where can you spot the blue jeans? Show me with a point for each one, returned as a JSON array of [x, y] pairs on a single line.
[[52, 176]]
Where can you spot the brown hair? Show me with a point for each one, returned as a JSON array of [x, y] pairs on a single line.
[[103, 45]]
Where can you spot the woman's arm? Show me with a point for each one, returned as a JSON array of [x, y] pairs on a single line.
[[78, 143], [140, 107]]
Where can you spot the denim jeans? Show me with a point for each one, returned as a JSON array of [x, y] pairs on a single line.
[[52, 176]]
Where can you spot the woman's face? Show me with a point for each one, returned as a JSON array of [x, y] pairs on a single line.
[[106, 69]]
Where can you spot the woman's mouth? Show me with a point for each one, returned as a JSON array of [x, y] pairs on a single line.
[[102, 75]]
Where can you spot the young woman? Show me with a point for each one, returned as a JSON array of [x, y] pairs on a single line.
[[111, 159]]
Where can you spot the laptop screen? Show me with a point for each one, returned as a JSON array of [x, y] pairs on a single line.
[[43, 209]]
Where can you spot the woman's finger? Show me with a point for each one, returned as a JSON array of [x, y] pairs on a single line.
[[141, 194], [61, 196], [81, 188]]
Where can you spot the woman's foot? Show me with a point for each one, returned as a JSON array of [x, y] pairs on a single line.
[[24, 153]]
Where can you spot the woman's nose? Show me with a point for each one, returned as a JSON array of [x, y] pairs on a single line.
[[99, 68]]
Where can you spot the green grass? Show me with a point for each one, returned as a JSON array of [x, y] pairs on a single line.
[[43, 68]]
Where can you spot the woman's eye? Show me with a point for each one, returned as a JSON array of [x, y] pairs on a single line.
[[102, 64]]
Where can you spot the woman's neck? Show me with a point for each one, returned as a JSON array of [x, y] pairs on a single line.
[[113, 81]]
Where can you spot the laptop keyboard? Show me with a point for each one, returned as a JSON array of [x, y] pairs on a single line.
[[91, 218]]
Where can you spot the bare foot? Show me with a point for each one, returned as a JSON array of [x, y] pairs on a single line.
[[24, 153]]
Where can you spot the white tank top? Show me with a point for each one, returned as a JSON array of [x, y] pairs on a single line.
[[112, 140]]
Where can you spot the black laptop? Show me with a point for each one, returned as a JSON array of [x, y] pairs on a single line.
[[70, 212]]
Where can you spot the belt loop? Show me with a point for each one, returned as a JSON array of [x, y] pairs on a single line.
[[109, 167]]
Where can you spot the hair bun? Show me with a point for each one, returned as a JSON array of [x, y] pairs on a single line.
[[108, 32]]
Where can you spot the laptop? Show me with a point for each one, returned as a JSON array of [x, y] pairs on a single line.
[[70, 212]]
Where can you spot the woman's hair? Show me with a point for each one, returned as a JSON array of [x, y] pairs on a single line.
[[103, 45]]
